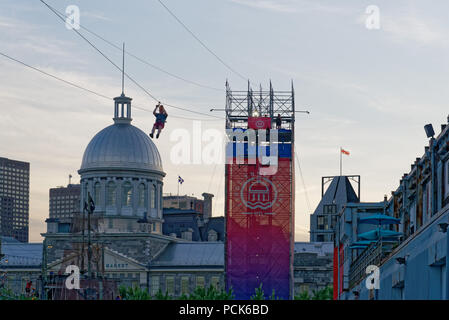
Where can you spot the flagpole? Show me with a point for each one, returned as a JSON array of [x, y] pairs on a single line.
[[340, 161]]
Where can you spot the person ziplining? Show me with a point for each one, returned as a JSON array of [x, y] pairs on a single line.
[[161, 117]]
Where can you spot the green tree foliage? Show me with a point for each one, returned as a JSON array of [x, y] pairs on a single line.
[[211, 293], [259, 294], [8, 294], [134, 293], [160, 296], [323, 294]]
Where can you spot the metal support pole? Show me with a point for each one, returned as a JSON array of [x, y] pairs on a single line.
[[1, 254], [340, 163], [44, 270], [82, 244], [338, 258], [89, 247], [447, 266], [434, 175]]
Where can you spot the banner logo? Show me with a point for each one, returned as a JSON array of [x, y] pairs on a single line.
[[262, 193]]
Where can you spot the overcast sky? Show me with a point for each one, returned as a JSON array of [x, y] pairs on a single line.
[[368, 90]]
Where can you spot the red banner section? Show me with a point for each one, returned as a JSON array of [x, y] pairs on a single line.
[[259, 123], [259, 219]]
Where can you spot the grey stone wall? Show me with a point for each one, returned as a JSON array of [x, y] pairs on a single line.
[[312, 272]]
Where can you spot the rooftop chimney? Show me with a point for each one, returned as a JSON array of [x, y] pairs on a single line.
[[207, 207]]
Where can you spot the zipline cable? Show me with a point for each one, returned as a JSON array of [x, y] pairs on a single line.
[[303, 182], [86, 89], [201, 42], [120, 69], [138, 58]]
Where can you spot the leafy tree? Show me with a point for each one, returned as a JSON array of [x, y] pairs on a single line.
[[200, 293], [210, 293], [304, 295], [134, 293], [322, 294], [8, 294], [160, 296], [273, 296], [259, 294]]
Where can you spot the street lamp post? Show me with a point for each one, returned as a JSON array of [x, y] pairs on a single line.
[[1, 254], [443, 228], [44, 269]]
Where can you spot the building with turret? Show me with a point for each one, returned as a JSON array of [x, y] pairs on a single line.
[[336, 192]]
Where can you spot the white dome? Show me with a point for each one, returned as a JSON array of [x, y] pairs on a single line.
[[121, 146]]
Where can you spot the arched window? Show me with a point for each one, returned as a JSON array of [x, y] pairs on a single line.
[[153, 197], [97, 190], [142, 195], [112, 194], [127, 194], [85, 190]]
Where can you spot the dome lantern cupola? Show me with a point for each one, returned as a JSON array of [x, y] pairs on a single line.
[[122, 109], [122, 104]]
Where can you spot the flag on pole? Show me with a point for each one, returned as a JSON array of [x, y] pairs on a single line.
[[342, 151], [180, 180]]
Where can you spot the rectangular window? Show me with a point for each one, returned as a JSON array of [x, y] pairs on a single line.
[[185, 285], [215, 282], [333, 222], [170, 285], [154, 285], [330, 209], [303, 288], [320, 222], [200, 282]]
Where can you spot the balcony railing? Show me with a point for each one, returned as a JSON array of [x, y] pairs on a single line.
[[372, 255]]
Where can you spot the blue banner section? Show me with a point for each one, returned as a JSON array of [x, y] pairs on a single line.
[[241, 148], [245, 150]]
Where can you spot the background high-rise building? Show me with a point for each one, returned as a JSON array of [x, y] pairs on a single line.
[[14, 198], [65, 201]]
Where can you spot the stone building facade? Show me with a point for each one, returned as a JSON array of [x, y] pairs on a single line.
[[121, 171], [312, 266]]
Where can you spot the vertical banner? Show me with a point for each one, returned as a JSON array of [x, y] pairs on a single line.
[[259, 219], [338, 271]]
